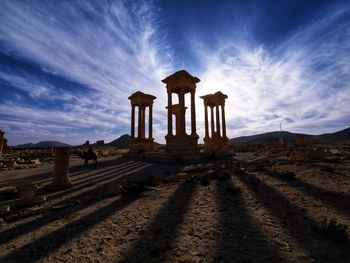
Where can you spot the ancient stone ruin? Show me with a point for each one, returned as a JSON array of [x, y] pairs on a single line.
[[300, 140], [100, 143], [216, 139], [141, 101], [181, 143], [4, 148], [61, 169], [1, 141]]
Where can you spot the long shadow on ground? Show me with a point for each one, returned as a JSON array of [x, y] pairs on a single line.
[[41, 247], [91, 182], [162, 232], [30, 226], [298, 224], [241, 240], [340, 202], [73, 171]]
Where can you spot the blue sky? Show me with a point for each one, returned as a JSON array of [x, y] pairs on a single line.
[[68, 67]]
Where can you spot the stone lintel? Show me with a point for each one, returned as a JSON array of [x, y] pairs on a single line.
[[215, 99], [141, 99], [181, 81]]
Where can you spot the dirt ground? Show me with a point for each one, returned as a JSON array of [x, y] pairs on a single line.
[[251, 217]]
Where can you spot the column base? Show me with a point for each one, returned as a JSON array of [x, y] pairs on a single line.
[[137, 145], [215, 142], [58, 186], [180, 145]]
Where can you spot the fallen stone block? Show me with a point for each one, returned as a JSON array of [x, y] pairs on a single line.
[[24, 202]]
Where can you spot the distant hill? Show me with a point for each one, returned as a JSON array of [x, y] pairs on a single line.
[[43, 144], [342, 136], [122, 142], [272, 138]]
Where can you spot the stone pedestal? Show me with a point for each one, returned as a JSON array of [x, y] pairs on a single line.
[[61, 169], [140, 145]]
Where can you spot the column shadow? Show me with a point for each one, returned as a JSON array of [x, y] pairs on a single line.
[[297, 223], [340, 202], [242, 241], [91, 182], [162, 231], [30, 226], [43, 246]]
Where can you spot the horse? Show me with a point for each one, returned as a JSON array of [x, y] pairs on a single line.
[[87, 156]]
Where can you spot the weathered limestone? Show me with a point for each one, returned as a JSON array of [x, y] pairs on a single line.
[[181, 143], [61, 169], [142, 101], [216, 139], [26, 192], [300, 140], [5, 147], [1, 141]]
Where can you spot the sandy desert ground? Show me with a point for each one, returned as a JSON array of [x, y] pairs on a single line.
[[252, 216]]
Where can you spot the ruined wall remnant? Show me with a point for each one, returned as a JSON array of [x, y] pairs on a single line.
[[61, 169]]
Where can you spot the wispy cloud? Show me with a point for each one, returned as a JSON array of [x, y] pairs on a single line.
[[109, 46], [303, 83], [111, 49]]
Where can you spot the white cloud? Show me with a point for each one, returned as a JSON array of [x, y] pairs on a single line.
[[114, 48], [110, 47], [308, 75]]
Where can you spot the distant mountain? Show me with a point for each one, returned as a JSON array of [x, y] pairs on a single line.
[[43, 144], [266, 138], [272, 138], [24, 146], [342, 136], [122, 142]]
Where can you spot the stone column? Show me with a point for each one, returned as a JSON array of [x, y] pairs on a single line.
[[133, 121], [143, 121], [193, 114], [206, 121], [61, 168], [223, 121], [212, 121], [1, 141], [150, 123], [170, 120], [182, 127], [217, 120], [139, 126]]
